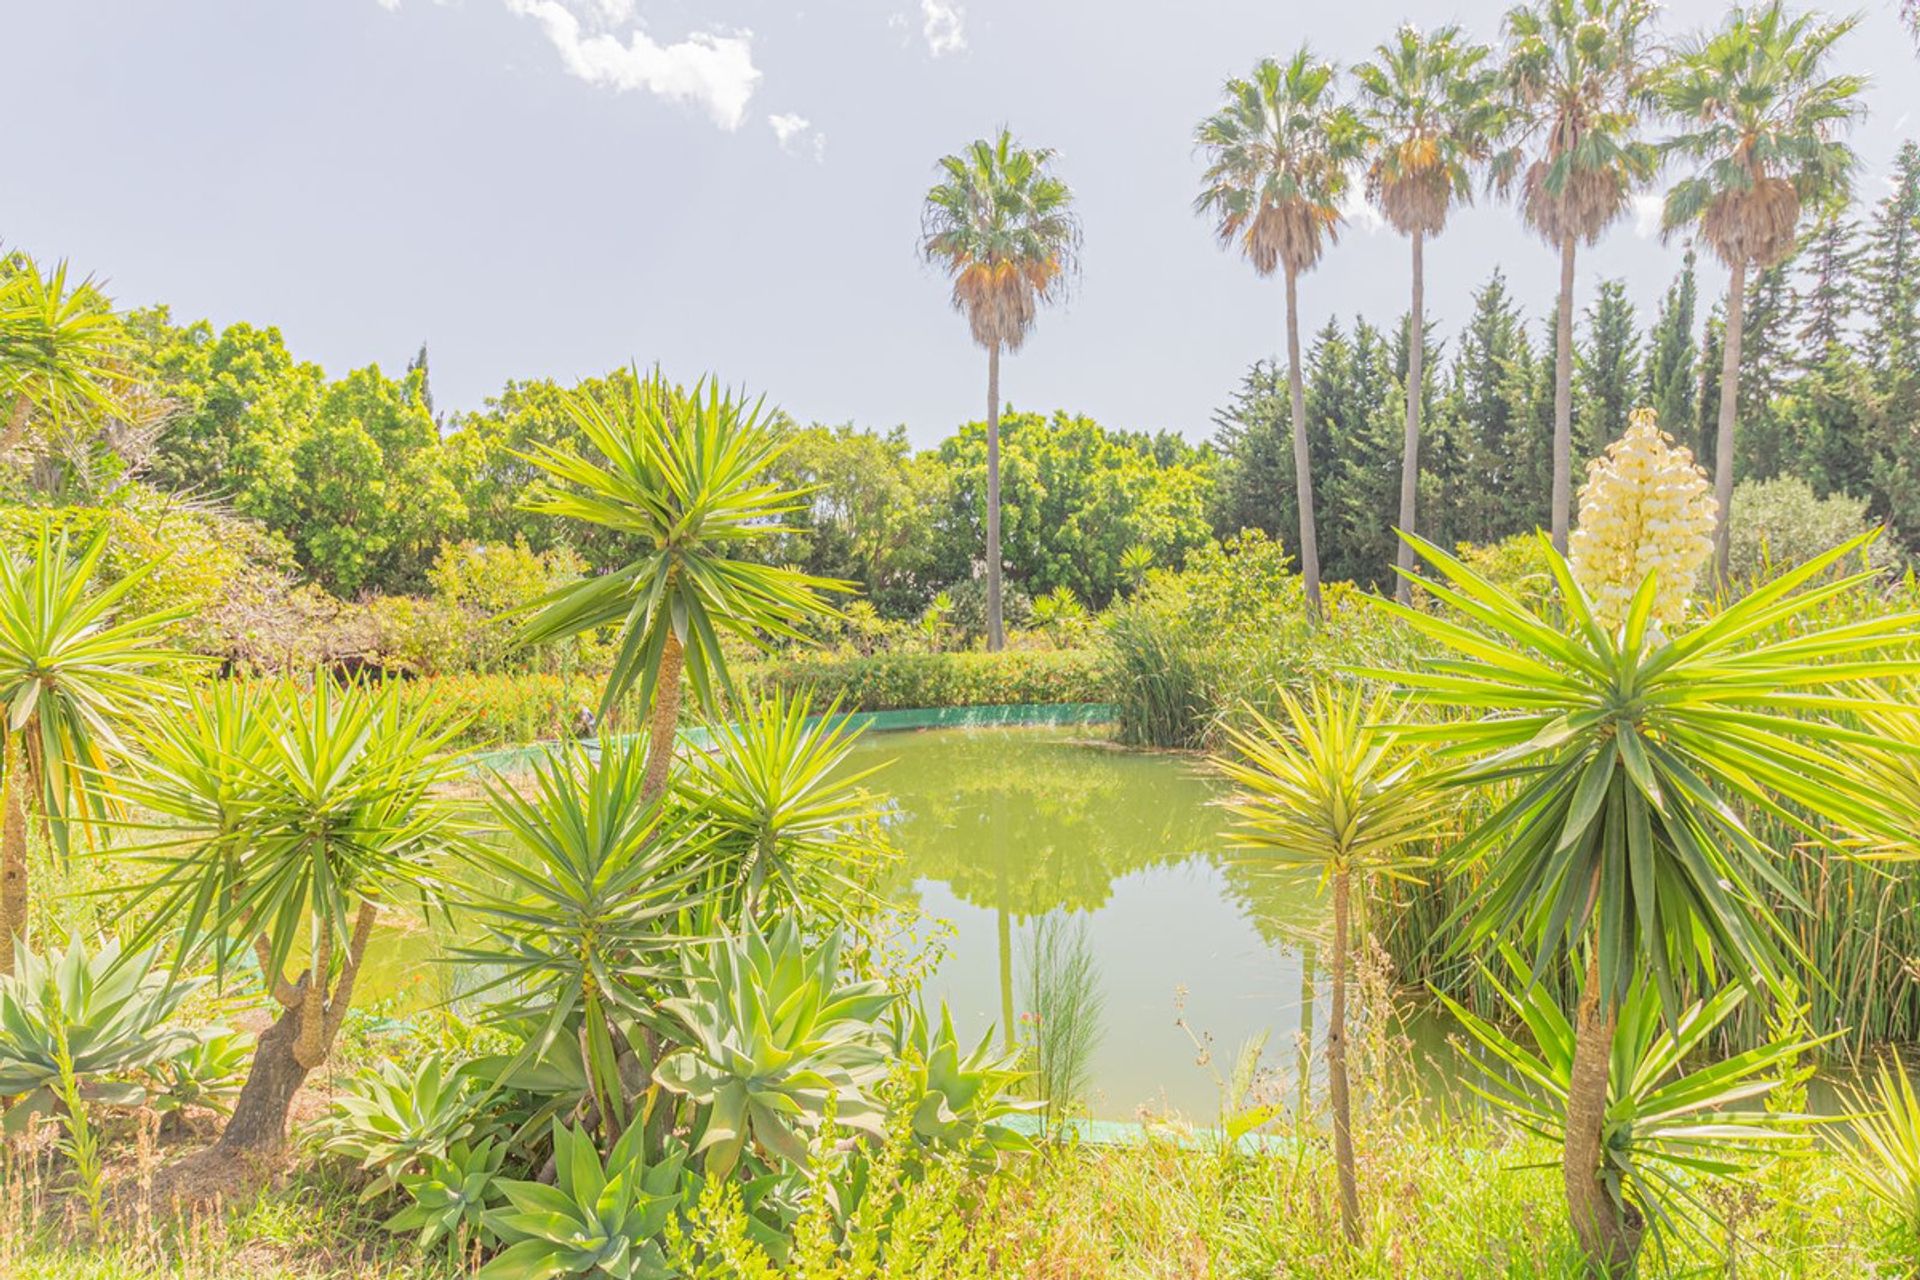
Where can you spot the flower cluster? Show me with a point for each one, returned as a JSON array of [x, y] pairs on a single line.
[[1645, 508]]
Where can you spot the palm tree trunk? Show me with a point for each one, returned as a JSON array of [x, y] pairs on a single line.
[[1609, 1240], [1563, 401], [1302, 462], [1410, 456], [1337, 1067], [13, 848], [996, 634], [1729, 411], [664, 722]]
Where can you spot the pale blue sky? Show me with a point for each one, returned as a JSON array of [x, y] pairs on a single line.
[[552, 187]]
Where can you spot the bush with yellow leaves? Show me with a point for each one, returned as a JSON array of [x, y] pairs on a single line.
[[1645, 508]]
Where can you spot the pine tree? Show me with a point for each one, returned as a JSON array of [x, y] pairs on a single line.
[[1606, 370], [1892, 271], [1768, 360], [1671, 380], [1707, 401], [1831, 294], [1495, 374]]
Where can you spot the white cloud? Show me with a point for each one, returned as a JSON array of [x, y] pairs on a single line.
[[944, 24], [716, 71], [797, 136], [1360, 213], [391, 6], [1648, 207]]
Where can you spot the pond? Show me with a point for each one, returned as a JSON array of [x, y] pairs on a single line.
[[1004, 827]]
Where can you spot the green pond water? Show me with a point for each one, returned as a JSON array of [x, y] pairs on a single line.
[[1003, 826]]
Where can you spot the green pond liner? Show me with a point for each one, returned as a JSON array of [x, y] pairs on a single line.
[[518, 758]]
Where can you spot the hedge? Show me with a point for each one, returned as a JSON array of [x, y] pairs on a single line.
[[889, 682]]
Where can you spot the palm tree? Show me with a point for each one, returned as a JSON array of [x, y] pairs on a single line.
[[1759, 115], [289, 822], [73, 673], [60, 347], [1279, 158], [1624, 761], [683, 476], [1431, 114], [1003, 226], [1577, 79], [1333, 797]]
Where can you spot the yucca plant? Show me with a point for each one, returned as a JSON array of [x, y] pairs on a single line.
[[62, 348], [109, 1014], [776, 820], [772, 1031], [1333, 796], [595, 1220], [585, 889], [290, 822], [683, 475], [1627, 761], [392, 1120], [74, 672], [1880, 1143], [1667, 1124]]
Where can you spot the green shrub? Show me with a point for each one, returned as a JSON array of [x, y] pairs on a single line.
[[1780, 523], [893, 681]]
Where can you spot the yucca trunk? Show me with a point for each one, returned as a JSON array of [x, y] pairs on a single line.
[[996, 633], [1606, 1236], [1337, 1067], [1410, 456], [296, 1044], [1563, 401], [1302, 461], [14, 901], [1729, 413], [664, 721]]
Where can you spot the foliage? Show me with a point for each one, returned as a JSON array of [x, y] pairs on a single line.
[[595, 1220], [1780, 523], [1882, 1152], [775, 1035], [1668, 1124], [451, 1199], [104, 1018], [393, 1120], [891, 681], [958, 1099], [1064, 1001]]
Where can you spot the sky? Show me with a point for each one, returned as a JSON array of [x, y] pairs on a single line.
[[557, 187]]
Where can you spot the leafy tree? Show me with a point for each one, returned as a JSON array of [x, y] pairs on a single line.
[[1758, 116], [1076, 498], [1626, 760], [1003, 227], [1429, 106], [1332, 797], [75, 671], [1279, 158], [1673, 352], [290, 822], [682, 474], [1576, 75]]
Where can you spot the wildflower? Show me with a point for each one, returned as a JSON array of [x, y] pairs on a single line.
[[1645, 509]]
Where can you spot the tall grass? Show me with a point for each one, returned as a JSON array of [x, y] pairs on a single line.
[[1064, 1005]]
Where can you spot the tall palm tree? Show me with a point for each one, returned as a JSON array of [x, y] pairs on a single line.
[[60, 347], [684, 476], [1280, 154], [1760, 118], [1003, 226], [1331, 798], [1578, 77], [74, 672], [1432, 113]]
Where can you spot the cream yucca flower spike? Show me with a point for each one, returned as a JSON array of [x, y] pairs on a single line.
[[1645, 508]]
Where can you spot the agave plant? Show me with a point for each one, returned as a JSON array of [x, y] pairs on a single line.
[[112, 1011], [393, 1120], [595, 1220], [772, 1033], [587, 889], [1883, 1152], [1666, 1127], [451, 1198], [207, 1075], [778, 821], [960, 1100]]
